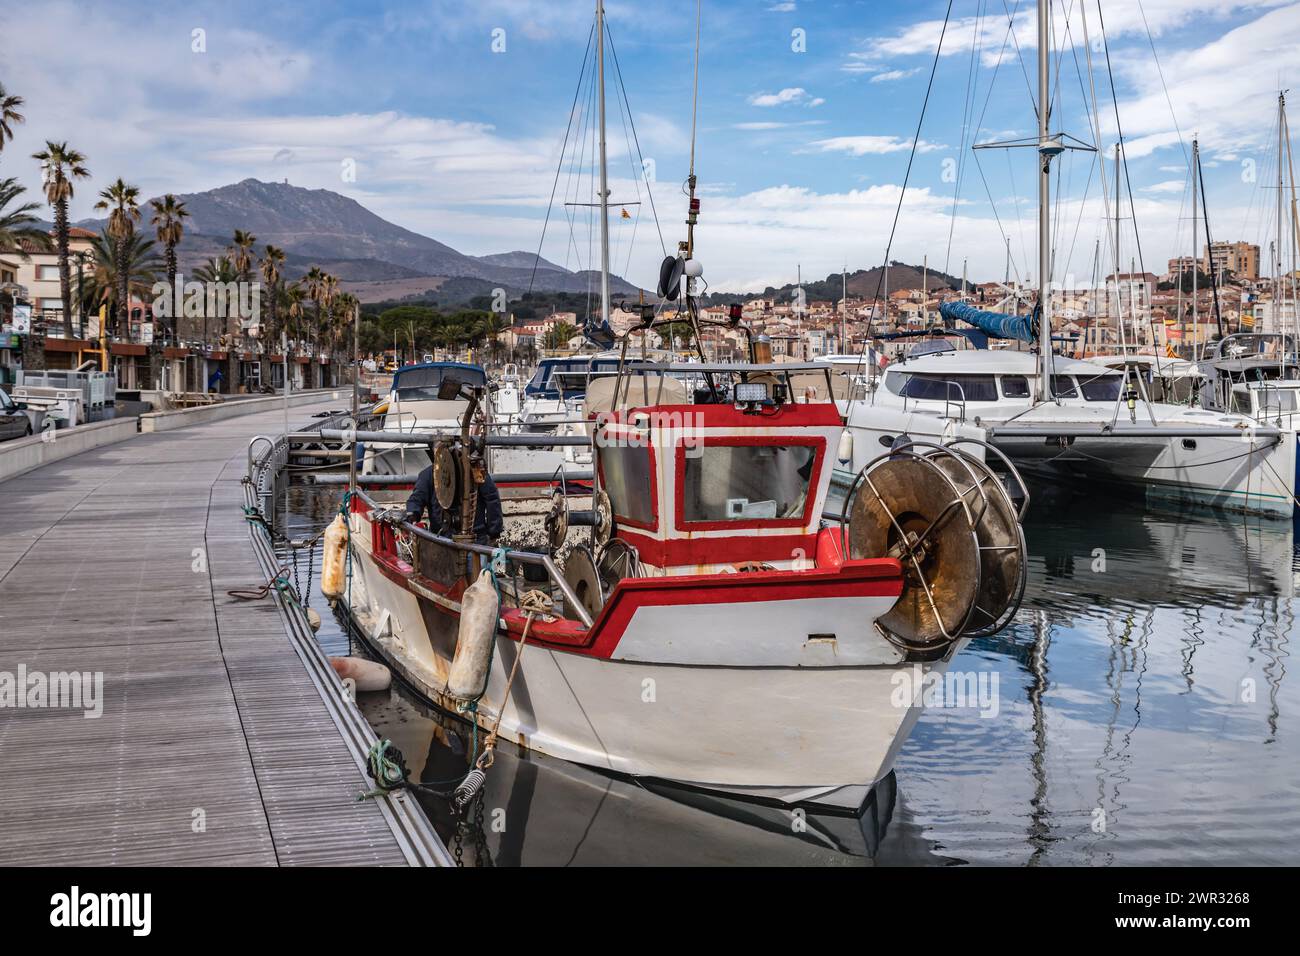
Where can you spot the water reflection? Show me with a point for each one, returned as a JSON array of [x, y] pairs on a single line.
[[1144, 717]]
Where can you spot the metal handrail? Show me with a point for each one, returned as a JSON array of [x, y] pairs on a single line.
[[251, 442], [533, 558]]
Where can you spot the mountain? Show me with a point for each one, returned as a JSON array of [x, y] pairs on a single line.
[[323, 228], [862, 283], [520, 260]]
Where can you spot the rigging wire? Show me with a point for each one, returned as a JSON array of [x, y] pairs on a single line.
[[916, 139], [1128, 180], [618, 72], [560, 165]]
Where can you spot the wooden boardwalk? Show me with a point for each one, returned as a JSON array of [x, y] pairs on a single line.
[[216, 744]]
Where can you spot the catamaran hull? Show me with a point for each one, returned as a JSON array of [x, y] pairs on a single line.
[[1230, 474], [808, 730]]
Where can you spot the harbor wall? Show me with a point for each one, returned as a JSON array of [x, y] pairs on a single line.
[[181, 417], [23, 454]]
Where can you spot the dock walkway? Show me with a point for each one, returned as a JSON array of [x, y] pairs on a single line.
[[217, 745]]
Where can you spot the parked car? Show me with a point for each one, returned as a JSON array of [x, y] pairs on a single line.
[[14, 422]]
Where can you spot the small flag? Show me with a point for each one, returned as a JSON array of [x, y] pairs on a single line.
[[626, 214]]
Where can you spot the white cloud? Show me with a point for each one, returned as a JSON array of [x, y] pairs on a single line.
[[891, 75], [870, 145], [1169, 186], [789, 95]]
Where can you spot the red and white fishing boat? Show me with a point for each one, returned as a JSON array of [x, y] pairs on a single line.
[[715, 632]]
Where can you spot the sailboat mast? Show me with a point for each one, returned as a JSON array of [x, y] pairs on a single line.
[[1046, 150], [1196, 249], [604, 170], [1277, 272]]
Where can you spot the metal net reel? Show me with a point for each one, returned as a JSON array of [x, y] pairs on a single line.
[[602, 520], [557, 521], [952, 524], [905, 506], [581, 574], [1004, 565], [617, 560]]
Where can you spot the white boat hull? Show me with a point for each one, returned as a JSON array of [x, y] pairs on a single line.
[[814, 717]]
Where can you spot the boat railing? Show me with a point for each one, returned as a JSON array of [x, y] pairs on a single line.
[[533, 558]]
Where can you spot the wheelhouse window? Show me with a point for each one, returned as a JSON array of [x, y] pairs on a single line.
[[746, 482], [421, 384], [626, 477], [956, 388], [561, 378], [1015, 386]]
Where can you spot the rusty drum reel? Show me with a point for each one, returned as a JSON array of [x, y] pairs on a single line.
[[446, 475], [557, 521], [602, 520], [1004, 568], [581, 574], [946, 517]]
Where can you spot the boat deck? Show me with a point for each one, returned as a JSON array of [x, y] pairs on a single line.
[[218, 744]]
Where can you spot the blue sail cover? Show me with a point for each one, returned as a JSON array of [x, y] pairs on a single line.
[[997, 324]]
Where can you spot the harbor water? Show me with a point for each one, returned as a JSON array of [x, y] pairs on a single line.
[[1136, 712]]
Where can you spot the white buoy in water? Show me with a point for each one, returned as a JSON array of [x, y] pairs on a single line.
[[369, 675], [313, 618], [478, 629]]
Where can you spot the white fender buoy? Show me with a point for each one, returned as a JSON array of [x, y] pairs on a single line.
[[478, 629], [313, 618], [333, 575], [369, 675], [845, 451]]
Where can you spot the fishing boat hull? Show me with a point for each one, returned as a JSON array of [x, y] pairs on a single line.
[[771, 686]]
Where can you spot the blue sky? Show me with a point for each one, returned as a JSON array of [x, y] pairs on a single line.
[[800, 153]]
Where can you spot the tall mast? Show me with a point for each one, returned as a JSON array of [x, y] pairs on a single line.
[[1047, 148], [1119, 295], [604, 171], [1277, 273], [1196, 248]]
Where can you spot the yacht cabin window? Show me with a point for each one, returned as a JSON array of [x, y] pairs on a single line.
[[1101, 388], [955, 388], [1015, 386]]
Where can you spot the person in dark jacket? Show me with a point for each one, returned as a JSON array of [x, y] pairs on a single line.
[[488, 520]]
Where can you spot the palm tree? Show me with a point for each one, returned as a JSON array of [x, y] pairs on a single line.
[[18, 227], [61, 166], [131, 265], [272, 263], [493, 325], [297, 297], [9, 115], [122, 201], [218, 271], [241, 253], [559, 335], [169, 214]]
